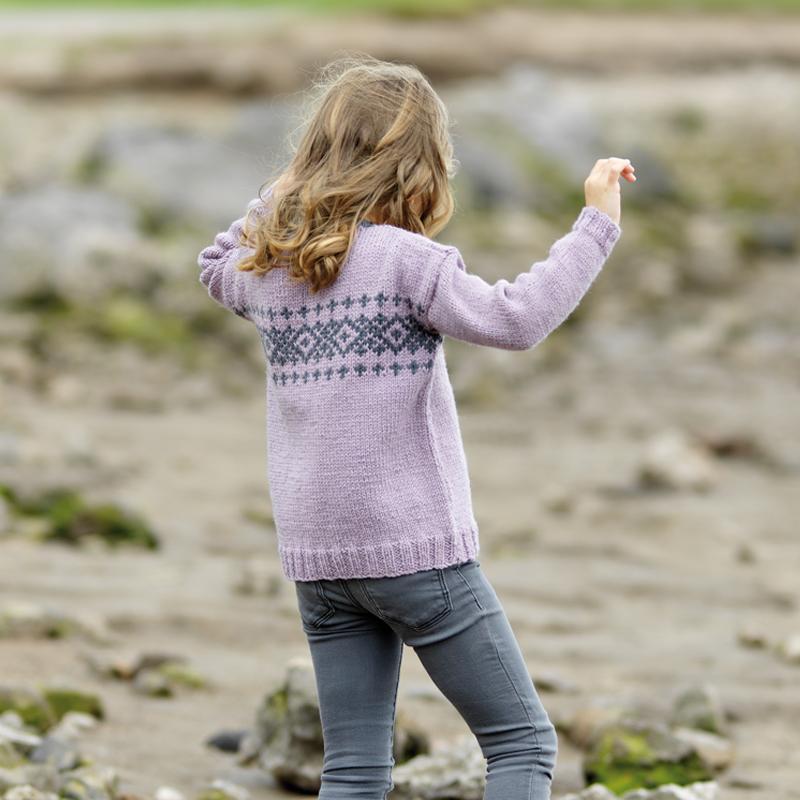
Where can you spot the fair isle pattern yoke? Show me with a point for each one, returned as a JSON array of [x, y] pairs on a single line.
[[380, 325], [367, 471]]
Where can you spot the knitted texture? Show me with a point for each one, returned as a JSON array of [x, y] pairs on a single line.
[[367, 471]]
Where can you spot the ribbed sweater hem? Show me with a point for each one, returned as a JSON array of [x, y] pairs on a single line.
[[385, 560]]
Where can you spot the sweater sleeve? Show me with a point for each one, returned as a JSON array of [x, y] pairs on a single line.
[[518, 314], [218, 271]]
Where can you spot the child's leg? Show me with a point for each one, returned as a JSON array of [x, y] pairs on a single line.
[[477, 663], [356, 659], [458, 628]]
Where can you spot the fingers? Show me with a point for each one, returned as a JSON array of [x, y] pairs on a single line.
[[612, 168], [627, 173]]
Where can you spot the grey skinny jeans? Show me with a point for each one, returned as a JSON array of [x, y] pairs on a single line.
[[452, 617]]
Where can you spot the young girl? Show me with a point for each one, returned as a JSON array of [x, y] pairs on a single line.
[[336, 266]]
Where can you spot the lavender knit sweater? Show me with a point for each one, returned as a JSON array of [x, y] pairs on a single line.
[[366, 466]]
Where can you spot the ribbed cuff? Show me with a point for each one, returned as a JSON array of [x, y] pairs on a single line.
[[599, 225]]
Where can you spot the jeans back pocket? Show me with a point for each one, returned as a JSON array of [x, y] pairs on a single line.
[[416, 600], [314, 605]]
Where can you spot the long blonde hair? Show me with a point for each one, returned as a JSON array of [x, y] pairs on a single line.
[[376, 144]]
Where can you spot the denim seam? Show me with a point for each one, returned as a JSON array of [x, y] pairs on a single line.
[[394, 716], [530, 779], [471, 591], [516, 691], [326, 601], [346, 590]]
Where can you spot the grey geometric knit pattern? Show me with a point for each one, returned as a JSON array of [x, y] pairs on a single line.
[[312, 336], [367, 471]]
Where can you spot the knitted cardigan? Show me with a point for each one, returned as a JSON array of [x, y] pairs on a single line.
[[366, 467]]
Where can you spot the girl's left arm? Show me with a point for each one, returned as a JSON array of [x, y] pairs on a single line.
[[218, 271]]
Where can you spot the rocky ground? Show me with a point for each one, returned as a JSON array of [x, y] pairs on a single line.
[[635, 476]]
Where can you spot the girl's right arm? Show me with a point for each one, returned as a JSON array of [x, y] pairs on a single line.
[[518, 314]]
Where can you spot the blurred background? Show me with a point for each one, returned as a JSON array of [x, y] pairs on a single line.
[[635, 476]]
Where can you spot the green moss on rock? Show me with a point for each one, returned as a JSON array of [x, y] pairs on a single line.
[[31, 707], [70, 518], [626, 757], [182, 675], [46, 625], [152, 683], [214, 794], [126, 319], [277, 703], [91, 782], [10, 757], [61, 700]]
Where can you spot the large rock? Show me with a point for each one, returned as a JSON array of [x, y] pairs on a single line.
[[769, 232], [29, 706], [587, 721], [287, 739], [594, 792], [290, 731], [789, 648], [28, 793], [67, 517], [711, 261], [630, 755], [66, 241], [672, 460], [91, 782], [64, 699], [699, 707], [51, 767], [177, 175], [456, 771], [39, 777], [41, 711], [701, 790], [717, 752], [13, 732]]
